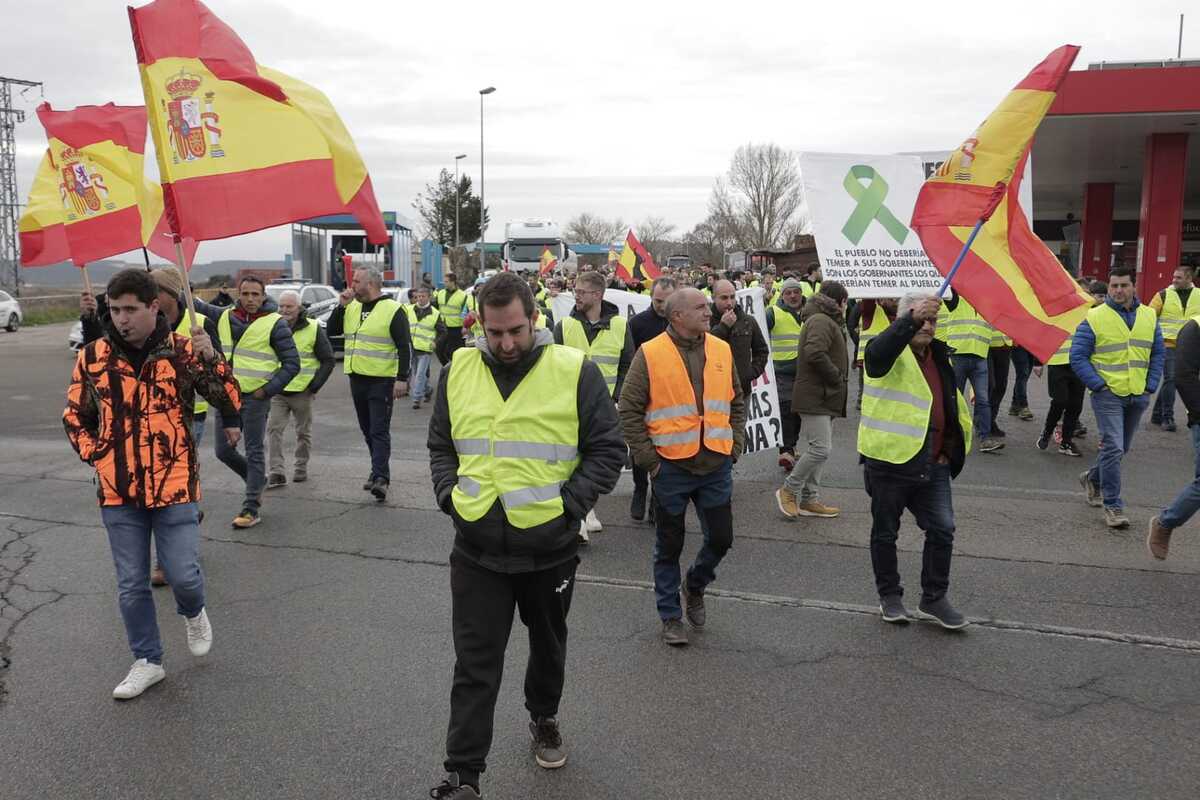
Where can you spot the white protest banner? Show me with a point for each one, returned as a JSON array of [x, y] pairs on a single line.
[[627, 303]]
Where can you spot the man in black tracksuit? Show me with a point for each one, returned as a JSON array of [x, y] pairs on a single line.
[[495, 566]]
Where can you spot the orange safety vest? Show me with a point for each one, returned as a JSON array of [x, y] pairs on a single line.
[[674, 423]]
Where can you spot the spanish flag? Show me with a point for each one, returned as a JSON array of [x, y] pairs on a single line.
[[240, 147], [548, 262], [1008, 275], [90, 198], [635, 263]]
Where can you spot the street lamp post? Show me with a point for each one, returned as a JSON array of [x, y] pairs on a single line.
[[457, 195], [482, 206]]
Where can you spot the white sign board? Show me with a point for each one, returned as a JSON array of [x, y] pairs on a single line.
[[764, 430]]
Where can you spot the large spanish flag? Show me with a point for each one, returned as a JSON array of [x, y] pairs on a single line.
[[240, 147], [636, 263], [1009, 275], [90, 198]]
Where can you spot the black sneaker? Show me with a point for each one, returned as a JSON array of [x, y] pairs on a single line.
[[893, 610], [637, 505], [1043, 442], [673, 632], [379, 488], [368, 483], [1069, 449], [996, 432], [547, 743], [944, 614], [452, 789], [275, 480], [693, 607]]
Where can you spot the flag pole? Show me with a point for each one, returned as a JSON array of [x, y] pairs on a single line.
[[87, 281], [994, 201], [187, 286], [146, 256]]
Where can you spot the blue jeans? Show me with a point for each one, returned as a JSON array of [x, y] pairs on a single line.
[[198, 426], [252, 468], [419, 373], [1188, 502], [1023, 366], [1117, 418], [929, 501], [177, 539], [674, 488], [1164, 404], [975, 370]]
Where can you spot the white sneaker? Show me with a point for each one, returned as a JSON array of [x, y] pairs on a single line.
[[142, 675], [199, 633], [593, 522], [583, 533]]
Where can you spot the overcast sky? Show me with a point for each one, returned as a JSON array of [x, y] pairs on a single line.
[[620, 109]]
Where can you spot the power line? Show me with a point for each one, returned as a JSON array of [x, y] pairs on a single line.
[[10, 248]]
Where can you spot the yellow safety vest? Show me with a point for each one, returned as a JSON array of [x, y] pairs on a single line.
[[895, 412], [808, 290], [369, 346], [199, 404], [1174, 314], [254, 360], [1063, 354], [604, 351], [306, 344], [999, 339], [785, 335], [423, 329], [967, 332], [519, 451], [477, 325], [1122, 356], [452, 306], [939, 330], [879, 324]]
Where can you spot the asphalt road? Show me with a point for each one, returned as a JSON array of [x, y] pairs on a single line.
[[330, 672]]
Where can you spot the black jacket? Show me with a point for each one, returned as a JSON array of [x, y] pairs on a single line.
[[491, 542], [607, 312], [880, 355], [1187, 369], [745, 338], [644, 326]]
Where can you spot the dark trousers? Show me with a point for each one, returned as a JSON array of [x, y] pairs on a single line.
[[1066, 400], [1023, 366], [447, 344], [998, 362], [482, 618], [784, 382], [930, 503], [373, 405], [674, 488]]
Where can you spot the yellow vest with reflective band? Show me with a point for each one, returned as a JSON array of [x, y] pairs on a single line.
[[306, 344], [452, 306], [676, 426], [1174, 314], [808, 290], [519, 451], [785, 335], [369, 346], [999, 339], [967, 332], [604, 351], [1063, 354], [939, 330], [254, 360], [540, 322], [896, 410], [1122, 356], [477, 325], [423, 329], [199, 404], [879, 324]]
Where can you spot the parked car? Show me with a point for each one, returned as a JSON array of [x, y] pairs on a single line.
[[75, 337], [316, 298], [10, 312]]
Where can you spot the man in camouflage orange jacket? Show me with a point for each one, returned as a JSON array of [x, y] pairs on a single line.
[[128, 414]]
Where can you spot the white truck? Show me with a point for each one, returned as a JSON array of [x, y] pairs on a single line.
[[526, 240]]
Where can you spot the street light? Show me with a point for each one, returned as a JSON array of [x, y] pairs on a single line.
[[482, 207], [457, 196]]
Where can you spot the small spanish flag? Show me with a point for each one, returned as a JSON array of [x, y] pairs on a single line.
[[1009, 275], [548, 262], [635, 263], [240, 147]]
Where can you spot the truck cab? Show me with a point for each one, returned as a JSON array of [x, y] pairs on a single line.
[[526, 240]]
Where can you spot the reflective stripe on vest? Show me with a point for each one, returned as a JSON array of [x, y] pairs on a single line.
[[1063, 354], [521, 450], [199, 404], [254, 361], [306, 344], [785, 335], [675, 424], [879, 324], [452, 306], [967, 332], [422, 329], [896, 410], [604, 351], [1122, 356], [1174, 314], [369, 347]]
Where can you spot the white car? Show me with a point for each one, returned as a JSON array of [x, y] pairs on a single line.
[[75, 337], [316, 298], [10, 312]]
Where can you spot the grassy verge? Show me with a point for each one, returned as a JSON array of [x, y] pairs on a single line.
[[50, 316]]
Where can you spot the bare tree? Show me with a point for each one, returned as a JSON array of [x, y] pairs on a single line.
[[764, 180], [654, 232], [587, 228]]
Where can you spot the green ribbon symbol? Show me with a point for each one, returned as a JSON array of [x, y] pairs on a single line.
[[870, 205]]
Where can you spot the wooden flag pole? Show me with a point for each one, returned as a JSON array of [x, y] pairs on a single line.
[[187, 286], [87, 281]]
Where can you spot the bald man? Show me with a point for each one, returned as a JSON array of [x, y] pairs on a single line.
[[741, 331]]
